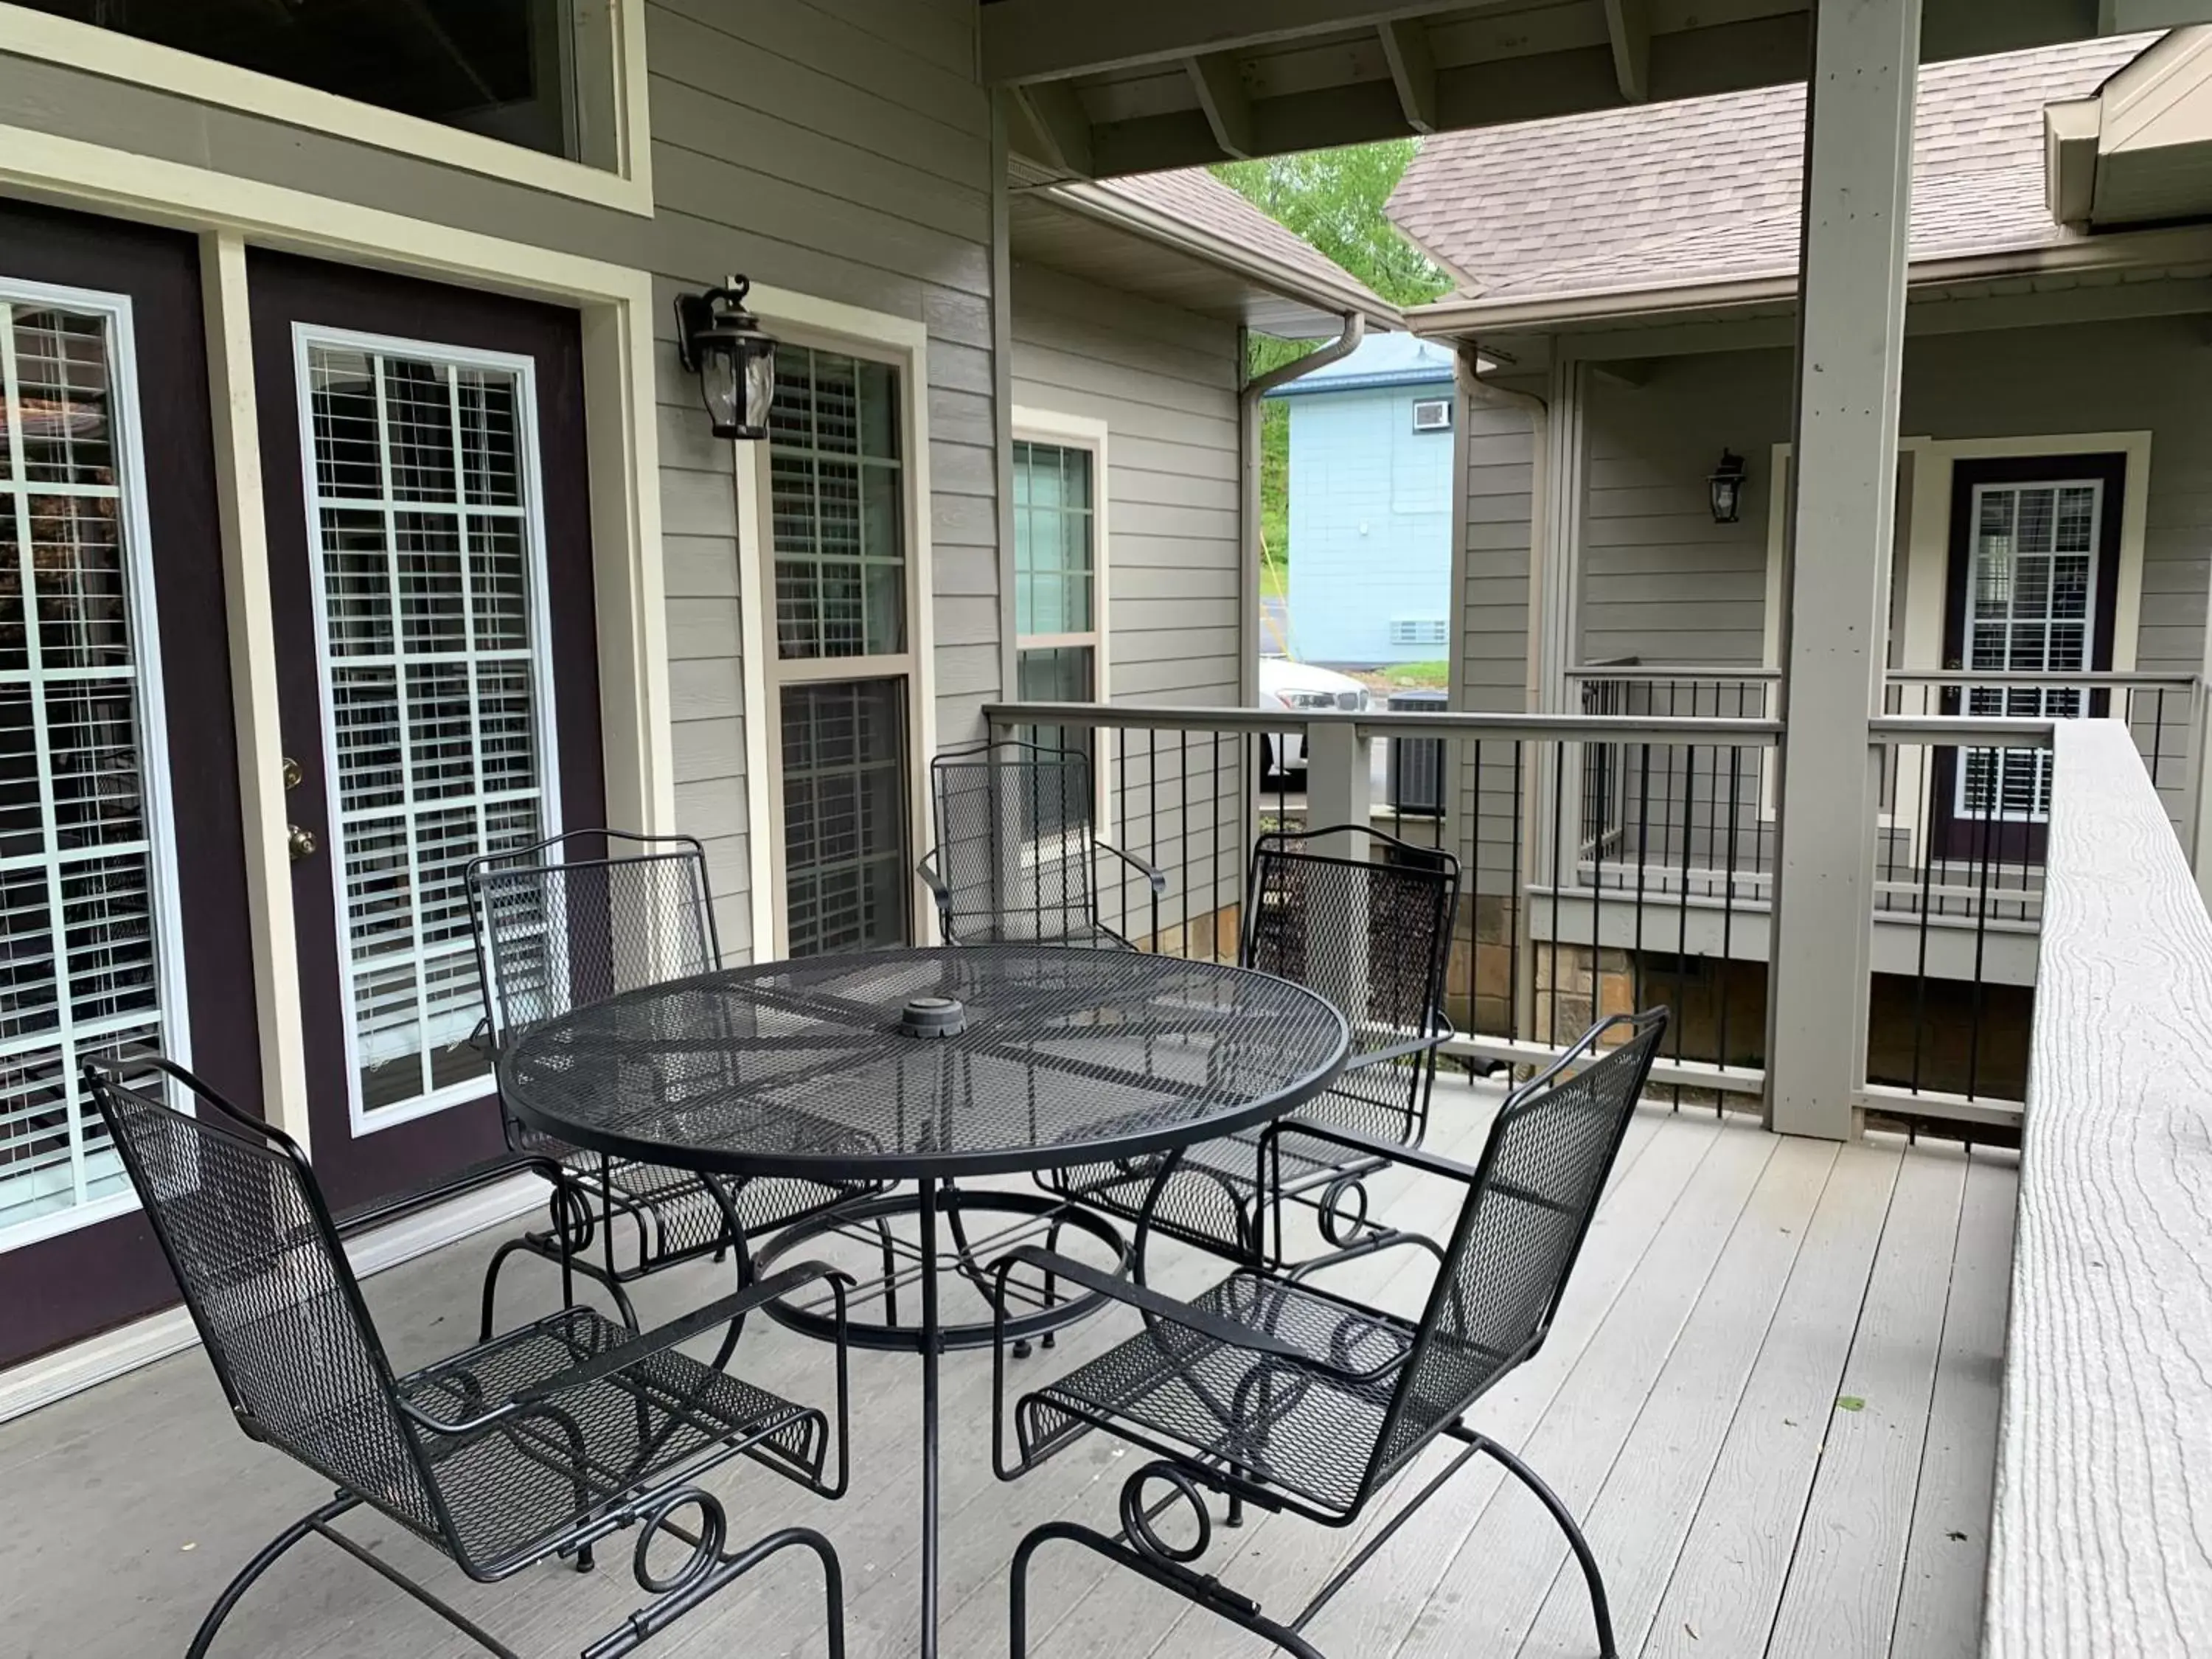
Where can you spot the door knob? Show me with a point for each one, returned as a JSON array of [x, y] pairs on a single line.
[[291, 773], [300, 842]]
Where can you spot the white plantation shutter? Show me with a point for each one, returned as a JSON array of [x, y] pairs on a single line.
[[429, 585], [89, 953], [2030, 598]]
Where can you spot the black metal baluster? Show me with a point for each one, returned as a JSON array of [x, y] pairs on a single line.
[[1982, 923], [1727, 975], [1515, 899], [1560, 881], [1182, 837], [1682, 910]]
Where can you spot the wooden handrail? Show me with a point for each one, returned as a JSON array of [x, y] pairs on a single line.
[[2099, 1544]]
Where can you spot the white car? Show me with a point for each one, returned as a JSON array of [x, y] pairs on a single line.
[[1301, 687]]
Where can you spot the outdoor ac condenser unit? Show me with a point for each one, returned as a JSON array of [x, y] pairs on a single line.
[[1415, 777]]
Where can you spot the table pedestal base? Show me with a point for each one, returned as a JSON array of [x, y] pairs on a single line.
[[1032, 1215]]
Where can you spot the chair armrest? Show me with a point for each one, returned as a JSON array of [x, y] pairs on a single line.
[[1157, 877], [1212, 1326], [660, 1339], [925, 867], [1352, 1141]]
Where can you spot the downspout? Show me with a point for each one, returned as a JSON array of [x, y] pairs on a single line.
[[1467, 372], [1248, 427]]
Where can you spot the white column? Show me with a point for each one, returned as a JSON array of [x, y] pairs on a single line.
[[1851, 349], [1340, 781]]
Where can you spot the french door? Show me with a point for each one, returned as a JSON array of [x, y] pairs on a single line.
[[123, 919], [424, 463], [2033, 580]]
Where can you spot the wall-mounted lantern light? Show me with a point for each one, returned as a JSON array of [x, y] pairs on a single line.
[[1726, 485], [722, 343]]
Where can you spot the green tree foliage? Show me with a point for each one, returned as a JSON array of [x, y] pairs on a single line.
[[1335, 199]]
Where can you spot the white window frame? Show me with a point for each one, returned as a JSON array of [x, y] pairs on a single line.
[[1421, 404], [628, 186], [305, 337], [1926, 566], [802, 319], [125, 413], [1064, 430]]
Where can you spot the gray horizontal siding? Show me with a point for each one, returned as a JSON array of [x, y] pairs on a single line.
[[1165, 383], [840, 148], [1660, 579]]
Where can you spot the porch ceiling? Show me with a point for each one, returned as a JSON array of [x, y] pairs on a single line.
[[1140, 85]]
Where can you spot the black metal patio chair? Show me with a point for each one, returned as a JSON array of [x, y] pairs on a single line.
[[1368, 923], [1269, 1390], [1017, 854], [533, 1446], [574, 919]]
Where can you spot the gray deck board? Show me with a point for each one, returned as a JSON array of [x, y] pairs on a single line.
[[1732, 1286]]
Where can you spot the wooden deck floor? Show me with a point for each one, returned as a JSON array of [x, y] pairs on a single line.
[[1772, 1393]]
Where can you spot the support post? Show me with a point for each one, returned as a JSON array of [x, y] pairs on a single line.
[[1850, 351], [1340, 780]]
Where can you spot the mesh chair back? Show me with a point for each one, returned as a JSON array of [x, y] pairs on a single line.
[[1371, 933], [238, 1215], [577, 917], [1542, 1171], [1015, 843]]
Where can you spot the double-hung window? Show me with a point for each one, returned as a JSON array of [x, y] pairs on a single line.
[[1060, 571], [843, 667]]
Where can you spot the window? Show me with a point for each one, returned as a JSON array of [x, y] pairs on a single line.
[[429, 585], [93, 962], [535, 73], [847, 862], [1058, 598], [1059, 577], [838, 535], [2029, 607], [1433, 414]]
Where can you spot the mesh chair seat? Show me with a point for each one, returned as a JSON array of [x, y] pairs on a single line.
[[1312, 1435], [509, 1492]]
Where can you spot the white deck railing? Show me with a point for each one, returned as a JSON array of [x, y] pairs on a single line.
[[2101, 1542]]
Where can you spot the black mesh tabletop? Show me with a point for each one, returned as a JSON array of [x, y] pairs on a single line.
[[1034, 1055]]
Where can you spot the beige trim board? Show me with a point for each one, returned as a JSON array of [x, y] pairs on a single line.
[[252, 640], [809, 320], [118, 57]]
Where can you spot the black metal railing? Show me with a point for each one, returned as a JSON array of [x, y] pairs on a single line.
[[1542, 947]]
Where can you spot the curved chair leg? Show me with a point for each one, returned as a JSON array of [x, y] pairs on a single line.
[[1193, 1586], [204, 1636], [1600, 1610]]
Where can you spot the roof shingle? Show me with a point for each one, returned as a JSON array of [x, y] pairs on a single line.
[[1706, 189], [1197, 198]]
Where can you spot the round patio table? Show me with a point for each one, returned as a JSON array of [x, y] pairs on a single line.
[[926, 1065]]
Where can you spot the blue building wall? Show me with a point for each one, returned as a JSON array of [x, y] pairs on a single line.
[[1369, 510]]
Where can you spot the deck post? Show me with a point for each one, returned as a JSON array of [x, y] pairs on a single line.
[[1850, 350], [1340, 781]]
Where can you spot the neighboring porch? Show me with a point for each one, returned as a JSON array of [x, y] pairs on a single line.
[[1772, 1394]]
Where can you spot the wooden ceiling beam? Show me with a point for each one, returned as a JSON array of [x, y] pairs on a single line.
[[1412, 63], [1062, 126], [1218, 81], [1628, 27], [1050, 39]]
